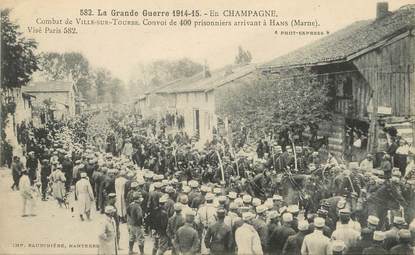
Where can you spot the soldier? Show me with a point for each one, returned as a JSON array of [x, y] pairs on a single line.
[[85, 196], [294, 242], [259, 223], [404, 246], [107, 235], [67, 167], [218, 238], [280, 235], [111, 201], [377, 246], [135, 223], [247, 232], [174, 223], [392, 236], [45, 171], [316, 242], [187, 238], [17, 168], [161, 240], [344, 232], [169, 205], [31, 165]]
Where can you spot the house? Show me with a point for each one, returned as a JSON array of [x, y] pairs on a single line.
[[57, 98], [369, 67], [194, 98]]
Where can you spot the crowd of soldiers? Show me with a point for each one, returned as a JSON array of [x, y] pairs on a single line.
[[217, 199]]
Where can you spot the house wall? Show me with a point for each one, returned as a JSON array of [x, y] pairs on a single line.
[[67, 98], [186, 105], [390, 71]]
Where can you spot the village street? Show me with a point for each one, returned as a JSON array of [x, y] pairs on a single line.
[[52, 226]]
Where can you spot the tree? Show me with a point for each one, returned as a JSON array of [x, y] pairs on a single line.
[[243, 57], [18, 60], [290, 102], [160, 72], [68, 65]]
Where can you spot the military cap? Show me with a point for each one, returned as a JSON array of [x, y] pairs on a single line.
[[164, 198], [177, 206], [186, 189], [170, 189], [319, 222], [247, 199], [247, 216], [193, 184], [256, 201], [293, 209], [217, 190], [338, 245], [158, 185], [44, 161], [109, 209], [277, 198], [232, 195], [373, 220], [134, 184], [221, 212], [261, 209], [78, 162], [303, 225], [287, 217], [184, 199], [269, 204], [238, 201], [222, 199], [111, 195], [404, 234], [233, 205], [273, 214], [322, 211], [83, 174], [209, 197], [378, 236], [399, 221], [396, 172]]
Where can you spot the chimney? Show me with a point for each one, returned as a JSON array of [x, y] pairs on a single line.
[[382, 10]]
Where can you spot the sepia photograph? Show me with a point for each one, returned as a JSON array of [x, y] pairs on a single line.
[[221, 127]]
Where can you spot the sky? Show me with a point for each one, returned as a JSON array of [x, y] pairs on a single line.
[[121, 49]]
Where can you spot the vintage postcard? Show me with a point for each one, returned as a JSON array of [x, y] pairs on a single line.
[[207, 127]]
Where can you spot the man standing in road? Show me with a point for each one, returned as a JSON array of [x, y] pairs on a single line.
[[187, 238], [135, 222], [17, 168], [85, 196], [218, 237]]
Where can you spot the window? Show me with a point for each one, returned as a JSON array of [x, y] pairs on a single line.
[[206, 97]]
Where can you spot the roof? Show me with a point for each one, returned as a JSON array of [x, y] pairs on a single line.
[[360, 35], [49, 86], [200, 83]]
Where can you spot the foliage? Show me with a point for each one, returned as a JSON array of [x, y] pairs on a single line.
[[278, 104], [160, 72], [18, 60], [69, 65], [109, 89], [243, 57]]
